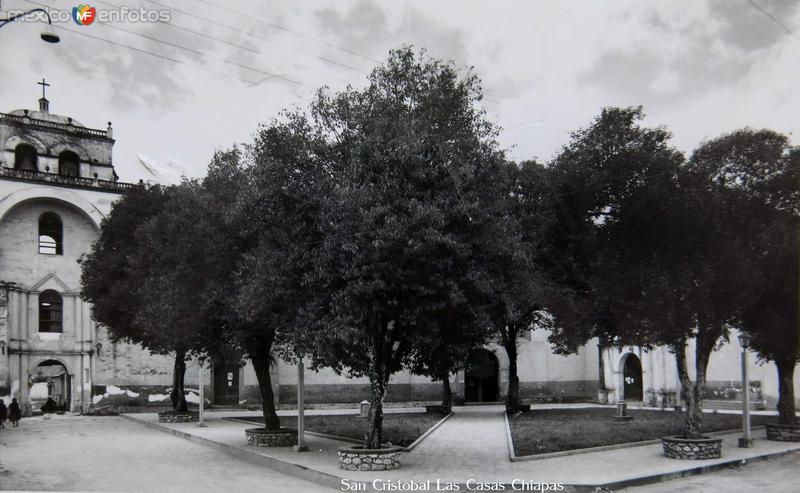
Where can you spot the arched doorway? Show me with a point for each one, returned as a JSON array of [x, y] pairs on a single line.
[[50, 380], [480, 381], [632, 378]]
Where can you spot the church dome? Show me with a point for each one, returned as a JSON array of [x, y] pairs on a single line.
[[49, 117]]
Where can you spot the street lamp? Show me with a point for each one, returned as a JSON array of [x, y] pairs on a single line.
[[47, 33], [745, 441]]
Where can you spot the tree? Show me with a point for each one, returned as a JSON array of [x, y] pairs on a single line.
[[277, 213], [761, 165], [516, 288], [453, 332], [667, 268], [110, 278], [405, 159]]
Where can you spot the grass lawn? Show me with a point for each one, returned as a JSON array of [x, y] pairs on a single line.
[[398, 429], [554, 430]]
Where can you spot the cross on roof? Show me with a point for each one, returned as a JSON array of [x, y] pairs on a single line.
[[44, 85]]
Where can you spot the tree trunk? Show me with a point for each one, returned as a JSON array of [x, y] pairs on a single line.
[[177, 395], [693, 391], [693, 418], [378, 383], [260, 357], [510, 344], [447, 393], [786, 410]]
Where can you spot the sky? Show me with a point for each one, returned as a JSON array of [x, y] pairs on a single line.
[[206, 77]]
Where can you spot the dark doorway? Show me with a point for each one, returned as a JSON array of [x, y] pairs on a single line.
[[481, 377], [632, 377], [226, 384], [50, 381]]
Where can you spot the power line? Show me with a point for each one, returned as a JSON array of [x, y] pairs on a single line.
[[286, 29], [180, 47], [200, 53], [261, 38], [197, 33], [774, 19], [146, 52]]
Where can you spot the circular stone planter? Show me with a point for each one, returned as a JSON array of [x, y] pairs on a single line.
[[178, 416], [678, 447], [363, 459], [783, 433], [262, 437], [438, 409]]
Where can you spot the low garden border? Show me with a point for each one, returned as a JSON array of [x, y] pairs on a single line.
[[783, 433], [364, 459], [178, 416], [549, 455], [680, 447], [262, 437]]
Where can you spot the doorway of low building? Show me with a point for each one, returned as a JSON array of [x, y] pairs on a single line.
[[226, 383], [632, 378], [50, 383], [481, 377]]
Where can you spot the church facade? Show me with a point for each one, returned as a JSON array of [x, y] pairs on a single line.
[[57, 183]]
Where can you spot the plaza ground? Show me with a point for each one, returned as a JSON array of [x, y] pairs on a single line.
[[83, 453], [136, 453]]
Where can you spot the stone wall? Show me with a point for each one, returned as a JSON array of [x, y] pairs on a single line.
[[261, 437], [178, 417], [355, 459], [680, 448], [783, 433]]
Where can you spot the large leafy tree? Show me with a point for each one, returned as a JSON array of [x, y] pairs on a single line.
[[114, 275], [667, 268], [405, 158], [512, 255], [277, 212], [762, 166]]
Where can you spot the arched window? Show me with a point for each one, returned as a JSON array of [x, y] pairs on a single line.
[[69, 164], [25, 157], [50, 311], [50, 234]]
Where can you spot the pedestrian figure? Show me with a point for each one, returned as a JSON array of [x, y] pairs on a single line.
[[14, 413], [50, 406], [3, 414]]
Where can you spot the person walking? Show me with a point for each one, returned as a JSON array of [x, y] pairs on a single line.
[[14, 413], [3, 414]]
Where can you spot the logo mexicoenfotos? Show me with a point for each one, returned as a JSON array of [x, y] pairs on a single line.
[[83, 15]]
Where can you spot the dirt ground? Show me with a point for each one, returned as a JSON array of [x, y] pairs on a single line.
[[81, 453]]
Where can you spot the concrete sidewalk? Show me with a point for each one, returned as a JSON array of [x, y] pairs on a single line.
[[471, 445]]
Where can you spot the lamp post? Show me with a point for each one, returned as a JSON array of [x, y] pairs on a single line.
[[301, 438], [745, 441], [200, 422], [47, 34]]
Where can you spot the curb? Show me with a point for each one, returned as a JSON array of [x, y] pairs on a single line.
[[427, 433], [288, 468], [358, 442], [695, 471]]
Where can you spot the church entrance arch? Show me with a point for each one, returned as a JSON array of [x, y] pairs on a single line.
[[50, 380], [632, 378], [481, 377]]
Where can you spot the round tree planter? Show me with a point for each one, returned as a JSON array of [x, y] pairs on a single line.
[[783, 433], [363, 459], [262, 437], [178, 416], [438, 409], [678, 447]]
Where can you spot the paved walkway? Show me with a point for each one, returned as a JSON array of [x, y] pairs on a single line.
[[472, 444], [85, 453]]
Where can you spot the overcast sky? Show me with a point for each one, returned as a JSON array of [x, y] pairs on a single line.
[[701, 68]]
